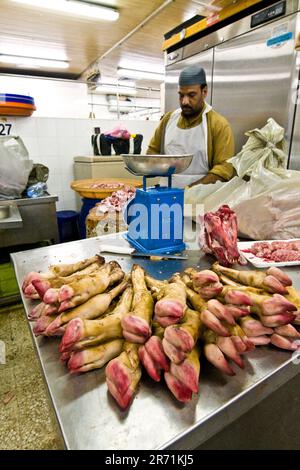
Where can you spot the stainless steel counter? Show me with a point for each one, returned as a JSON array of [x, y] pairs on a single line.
[[89, 417], [14, 219], [32, 220]]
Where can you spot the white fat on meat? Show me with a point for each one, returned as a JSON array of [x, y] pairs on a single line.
[[115, 202]]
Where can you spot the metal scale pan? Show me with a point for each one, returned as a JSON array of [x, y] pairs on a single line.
[[156, 165]]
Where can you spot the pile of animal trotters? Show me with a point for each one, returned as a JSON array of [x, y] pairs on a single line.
[[132, 321]]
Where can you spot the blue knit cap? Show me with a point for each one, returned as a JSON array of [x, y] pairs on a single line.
[[192, 75]]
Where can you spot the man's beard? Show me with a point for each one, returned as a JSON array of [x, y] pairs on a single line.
[[189, 112]]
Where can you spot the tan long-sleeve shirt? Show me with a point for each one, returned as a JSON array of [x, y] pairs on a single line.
[[220, 141]]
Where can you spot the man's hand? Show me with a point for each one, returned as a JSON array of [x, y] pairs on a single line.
[[210, 178]]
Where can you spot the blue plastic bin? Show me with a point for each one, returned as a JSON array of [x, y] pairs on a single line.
[[68, 228]]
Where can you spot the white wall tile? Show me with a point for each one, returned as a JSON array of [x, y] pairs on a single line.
[[25, 127], [46, 127], [66, 180], [84, 127], [31, 143], [60, 203], [69, 200], [63, 147], [55, 164], [82, 144], [66, 128], [54, 182], [47, 146], [66, 149], [68, 206], [67, 168]]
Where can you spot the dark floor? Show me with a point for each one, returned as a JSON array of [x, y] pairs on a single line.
[[26, 417]]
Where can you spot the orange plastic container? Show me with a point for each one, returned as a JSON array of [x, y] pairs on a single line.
[[16, 109]]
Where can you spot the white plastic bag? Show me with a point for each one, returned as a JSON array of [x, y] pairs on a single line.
[[268, 204], [275, 214], [212, 196], [263, 149], [15, 167], [261, 159]]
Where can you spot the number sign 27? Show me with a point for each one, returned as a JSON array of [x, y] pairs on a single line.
[[5, 129]]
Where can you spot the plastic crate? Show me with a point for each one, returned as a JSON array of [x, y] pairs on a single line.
[[8, 282]]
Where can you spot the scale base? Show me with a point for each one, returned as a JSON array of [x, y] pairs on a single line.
[[165, 250]]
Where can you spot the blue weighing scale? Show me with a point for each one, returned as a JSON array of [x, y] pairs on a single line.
[[155, 216]]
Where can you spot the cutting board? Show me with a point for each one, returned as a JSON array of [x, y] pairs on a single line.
[[85, 187]]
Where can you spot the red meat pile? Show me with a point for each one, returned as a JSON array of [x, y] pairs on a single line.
[[220, 231], [277, 251], [114, 185]]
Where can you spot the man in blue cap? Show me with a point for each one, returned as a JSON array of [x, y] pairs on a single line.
[[197, 129]]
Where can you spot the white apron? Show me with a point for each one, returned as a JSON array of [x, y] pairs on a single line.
[[183, 141]]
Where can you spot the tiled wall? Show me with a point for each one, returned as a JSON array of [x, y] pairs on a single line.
[[55, 141], [71, 99]]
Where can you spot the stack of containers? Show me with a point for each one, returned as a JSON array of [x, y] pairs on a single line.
[[16, 105]]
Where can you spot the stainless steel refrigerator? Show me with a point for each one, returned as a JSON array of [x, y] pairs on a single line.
[[252, 70]]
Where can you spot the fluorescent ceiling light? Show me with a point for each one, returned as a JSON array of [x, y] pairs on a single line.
[[110, 89], [33, 61], [140, 74], [31, 48], [117, 82], [155, 67], [75, 7]]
